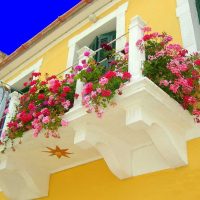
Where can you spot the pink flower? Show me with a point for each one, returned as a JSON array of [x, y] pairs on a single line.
[[164, 82], [45, 111], [66, 104], [86, 98], [35, 133], [64, 122], [103, 81], [99, 90], [46, 120], [174, 88], [87, 53], [6, 111], [3, 135], [93, 94], [100, 113], [139, 43], [126, 49], [146, 29]]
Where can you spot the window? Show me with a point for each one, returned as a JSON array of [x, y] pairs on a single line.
[[18, 82], [102, 39], [104, 30], [198, 8]]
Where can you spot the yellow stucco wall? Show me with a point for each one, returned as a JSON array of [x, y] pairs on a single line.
[[94, 181]]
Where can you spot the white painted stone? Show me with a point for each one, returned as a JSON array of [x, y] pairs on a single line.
[[136, 57]]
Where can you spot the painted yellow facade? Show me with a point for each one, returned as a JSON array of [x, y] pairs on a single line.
[[94, 181]]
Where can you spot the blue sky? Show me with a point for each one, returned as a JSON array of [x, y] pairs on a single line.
[[20, 20]]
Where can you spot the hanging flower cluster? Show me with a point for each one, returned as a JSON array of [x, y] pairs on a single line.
[[42, 107], [102, 83], [46, 101], [170, 67]]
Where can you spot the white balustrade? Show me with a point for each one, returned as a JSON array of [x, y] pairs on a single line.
[[136, 57]]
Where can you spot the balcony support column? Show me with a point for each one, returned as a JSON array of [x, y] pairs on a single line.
[[136, 57]]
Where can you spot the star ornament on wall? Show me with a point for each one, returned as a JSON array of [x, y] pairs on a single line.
[[58, 152]]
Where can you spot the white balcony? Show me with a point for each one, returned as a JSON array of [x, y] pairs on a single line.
[[146, 132]]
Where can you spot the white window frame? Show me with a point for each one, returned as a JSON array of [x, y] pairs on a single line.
[[120, 17], [190, 29], [34, 68]]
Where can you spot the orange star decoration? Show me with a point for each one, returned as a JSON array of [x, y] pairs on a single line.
[[58, 152]]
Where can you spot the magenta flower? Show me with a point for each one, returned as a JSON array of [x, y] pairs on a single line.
[[87, 53]]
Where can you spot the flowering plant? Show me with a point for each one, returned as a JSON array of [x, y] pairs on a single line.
[[47, 100], [102, 82], [42, 107], [170, 67]]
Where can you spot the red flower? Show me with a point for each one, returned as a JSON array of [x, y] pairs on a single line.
[[107, 47], [25, 84], [110, 74], [197, 62], [190, 81], [43, 83], [36, 74], [76, 96], [147, 37], [33, 82], [66, 89], [51, 77], [88, 88], [26, 117], [41, 96], [63, 94], [33, 90], [106, 93], [126, 76], [31, 106], [12, 124]]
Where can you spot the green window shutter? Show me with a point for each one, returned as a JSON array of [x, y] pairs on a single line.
[[198, 8], [98, 41], [105, 38], [94, 46], [24, 90]]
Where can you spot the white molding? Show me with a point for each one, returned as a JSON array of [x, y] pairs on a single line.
[[148, 141], [34, 68], [98, 24], [118, 14], [189, 25]]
